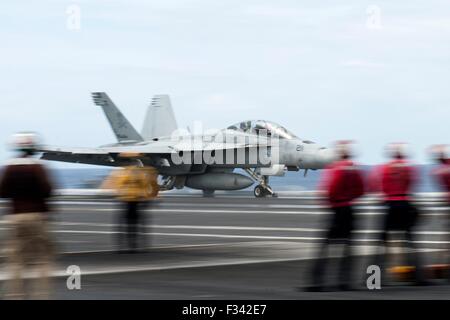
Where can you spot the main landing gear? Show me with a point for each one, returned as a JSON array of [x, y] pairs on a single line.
[[207, 193], [262, 189]]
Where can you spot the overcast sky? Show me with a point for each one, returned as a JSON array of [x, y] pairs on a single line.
[[371, 71]]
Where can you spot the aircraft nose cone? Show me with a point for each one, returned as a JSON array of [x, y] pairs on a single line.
[[325, 157]]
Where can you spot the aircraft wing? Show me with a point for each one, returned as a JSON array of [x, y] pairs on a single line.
[[105, 155], [69, 150], [98, 156], [77, 155], [101, 156]]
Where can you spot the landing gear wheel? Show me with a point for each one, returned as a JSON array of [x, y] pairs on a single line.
[[260, 191]]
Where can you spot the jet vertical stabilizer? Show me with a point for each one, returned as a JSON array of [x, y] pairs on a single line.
[[160, 119], [122, 128]]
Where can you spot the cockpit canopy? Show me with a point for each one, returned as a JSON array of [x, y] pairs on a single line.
[[263, 127]]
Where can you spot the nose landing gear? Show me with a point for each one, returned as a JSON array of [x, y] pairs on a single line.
[[262, 189]]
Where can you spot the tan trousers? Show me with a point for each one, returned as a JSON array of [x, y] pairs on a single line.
[[29, 249]]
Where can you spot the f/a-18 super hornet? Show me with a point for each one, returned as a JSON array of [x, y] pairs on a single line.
[[204, 161]]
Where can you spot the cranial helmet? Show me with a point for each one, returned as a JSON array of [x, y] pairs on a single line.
[[439, 152], [397, 150], [25, 141], [344, 149]]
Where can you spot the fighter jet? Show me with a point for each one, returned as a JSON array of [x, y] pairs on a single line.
[[205, 161]]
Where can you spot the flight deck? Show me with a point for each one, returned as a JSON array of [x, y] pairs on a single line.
[[232, 246]]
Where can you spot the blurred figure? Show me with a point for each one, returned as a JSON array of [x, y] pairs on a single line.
[[341, 184], [135, 185], [441, 175], [395, 180], [26, 183]]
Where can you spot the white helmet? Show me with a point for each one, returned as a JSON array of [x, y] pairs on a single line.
[[344, 148], [25, 141], [397, 150], [439, 152]]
